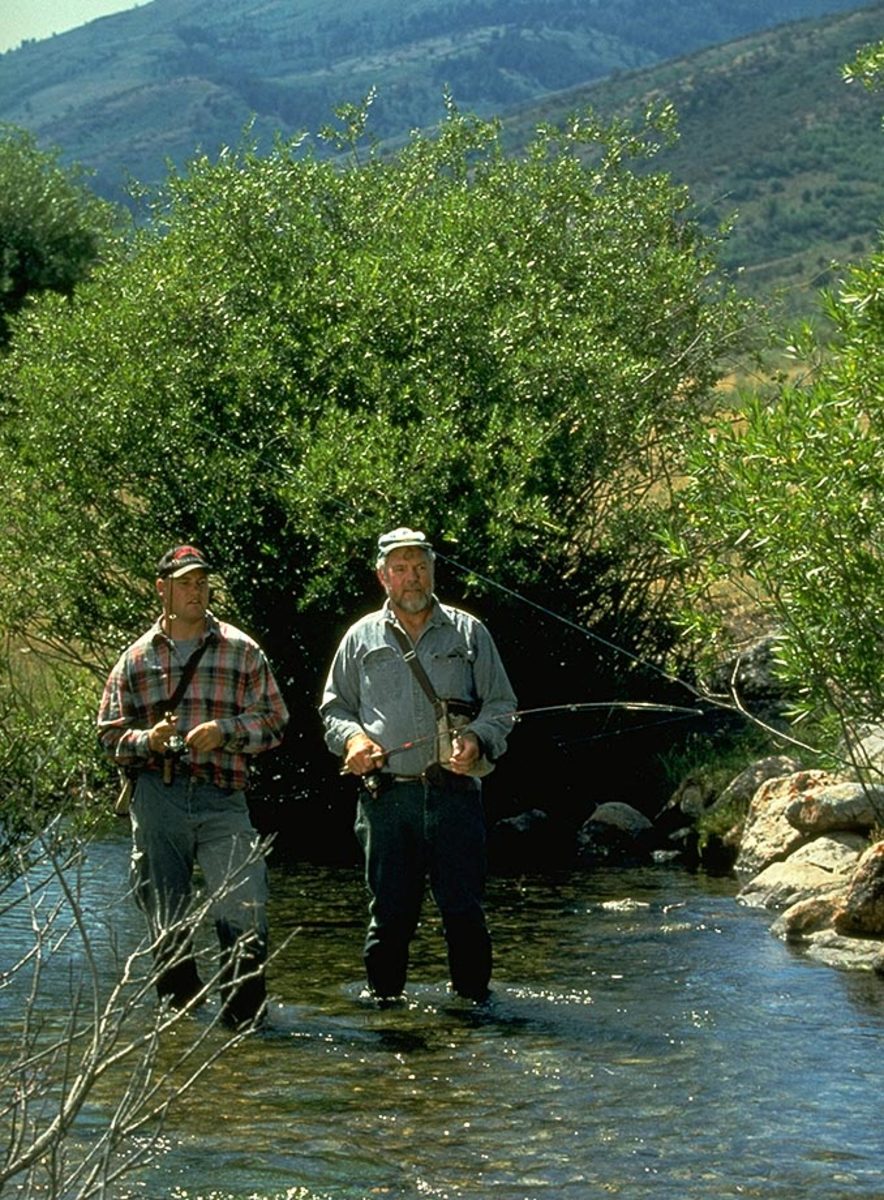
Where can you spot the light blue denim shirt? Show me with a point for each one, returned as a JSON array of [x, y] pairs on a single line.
[[371, 688]]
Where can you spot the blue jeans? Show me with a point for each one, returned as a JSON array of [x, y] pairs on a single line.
[[175, 827], [408, 831]]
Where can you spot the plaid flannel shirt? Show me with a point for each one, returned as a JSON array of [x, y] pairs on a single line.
[[233, 685]]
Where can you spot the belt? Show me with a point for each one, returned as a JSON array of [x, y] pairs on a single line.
[[435, 776], [184, 770]]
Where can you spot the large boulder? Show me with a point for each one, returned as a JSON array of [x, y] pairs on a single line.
[[615, 833], [842, 806], [768, 835], [862, 911], [823, 867]]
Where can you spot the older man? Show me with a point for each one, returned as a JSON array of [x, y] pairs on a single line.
[[420, 812], [190, 768]]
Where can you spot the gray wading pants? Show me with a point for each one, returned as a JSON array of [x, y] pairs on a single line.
[[175, 827]]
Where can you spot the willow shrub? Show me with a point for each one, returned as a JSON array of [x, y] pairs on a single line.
[[789, 499], [298, 354]]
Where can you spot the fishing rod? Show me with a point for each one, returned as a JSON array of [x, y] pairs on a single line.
[[574, 706], [730, 705]]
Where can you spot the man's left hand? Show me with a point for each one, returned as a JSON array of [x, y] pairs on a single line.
[[465, 753], [205, 737]]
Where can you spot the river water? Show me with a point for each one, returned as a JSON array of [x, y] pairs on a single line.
[[647, 1037]]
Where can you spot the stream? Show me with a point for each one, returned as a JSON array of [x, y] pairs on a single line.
[[647, 1036]]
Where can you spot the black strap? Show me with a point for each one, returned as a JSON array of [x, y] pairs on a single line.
[[186, 676], [410, 655]]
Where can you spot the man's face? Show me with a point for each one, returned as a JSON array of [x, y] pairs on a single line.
[[187, 596], [407, 578]]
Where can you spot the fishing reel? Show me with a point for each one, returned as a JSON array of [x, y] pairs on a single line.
[[175, 750]]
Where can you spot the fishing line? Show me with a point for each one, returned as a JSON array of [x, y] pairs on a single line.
[[589, 633], [562, 740], [719, 702]]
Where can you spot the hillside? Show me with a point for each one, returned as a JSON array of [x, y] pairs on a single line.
[[771, 138], [128, 92]]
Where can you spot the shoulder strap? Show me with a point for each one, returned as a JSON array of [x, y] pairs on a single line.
[[410, 655], [186, 675]]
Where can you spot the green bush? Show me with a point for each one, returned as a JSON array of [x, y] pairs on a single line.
[[297, 355], [53, 229], [47, 727], [788, 493]]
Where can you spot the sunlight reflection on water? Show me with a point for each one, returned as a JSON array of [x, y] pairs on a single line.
[[647, 1036]]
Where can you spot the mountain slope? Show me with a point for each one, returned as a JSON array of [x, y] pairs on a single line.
[[771, 137], [162, 81]]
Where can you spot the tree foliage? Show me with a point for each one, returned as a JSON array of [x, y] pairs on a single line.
[[787, 496], [47, 723], [53, 228], [867, 67], [296, 356]]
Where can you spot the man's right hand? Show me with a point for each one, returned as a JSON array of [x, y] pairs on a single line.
[[362, 755], [158, 736]]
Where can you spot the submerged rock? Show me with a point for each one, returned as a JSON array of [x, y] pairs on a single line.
[[615, 832]]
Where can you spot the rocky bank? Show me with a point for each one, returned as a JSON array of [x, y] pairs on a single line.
[[807, 845]]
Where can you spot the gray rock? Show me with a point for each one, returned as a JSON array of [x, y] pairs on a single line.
[[620, 816], [768, 835], [847, 953], [841, 806], [615, 833]]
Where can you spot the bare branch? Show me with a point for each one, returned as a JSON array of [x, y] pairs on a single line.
[[52, 1065]]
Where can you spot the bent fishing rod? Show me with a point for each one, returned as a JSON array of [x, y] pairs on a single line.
[[574, 706], [723, 704]]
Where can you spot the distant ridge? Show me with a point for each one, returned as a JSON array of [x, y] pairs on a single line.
[[769, 130], [172, 77], [772, 136]]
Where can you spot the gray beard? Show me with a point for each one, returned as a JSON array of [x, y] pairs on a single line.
[[415, 604]]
